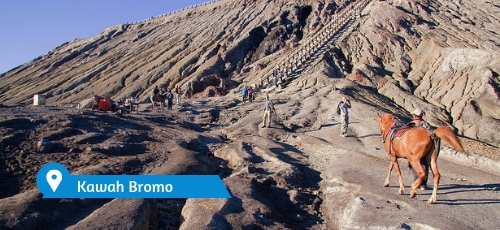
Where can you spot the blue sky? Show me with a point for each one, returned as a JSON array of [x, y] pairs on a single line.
[[31, 28]]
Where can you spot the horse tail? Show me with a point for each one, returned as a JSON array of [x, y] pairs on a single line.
[[446, 134]]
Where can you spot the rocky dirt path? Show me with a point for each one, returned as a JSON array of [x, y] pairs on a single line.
[[353, 170], [298, 174], [344, 175]]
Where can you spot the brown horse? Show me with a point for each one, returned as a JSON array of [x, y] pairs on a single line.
[[160, 99], [415, 144]]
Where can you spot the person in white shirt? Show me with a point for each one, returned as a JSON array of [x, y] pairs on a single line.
[[268, 110], [344, 106]]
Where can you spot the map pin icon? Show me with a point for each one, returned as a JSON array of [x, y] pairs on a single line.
[[54, 178]]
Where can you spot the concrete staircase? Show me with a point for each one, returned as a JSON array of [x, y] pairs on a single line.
[[311, 50]]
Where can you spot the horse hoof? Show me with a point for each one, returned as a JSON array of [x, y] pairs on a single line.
[[413, 194], [401, 192], [431, 201], [386, 185]]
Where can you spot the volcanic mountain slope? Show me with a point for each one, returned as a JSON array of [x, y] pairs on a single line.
[[131, 59], [441, 56]]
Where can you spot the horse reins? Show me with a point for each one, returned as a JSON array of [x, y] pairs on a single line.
[[384, 137]]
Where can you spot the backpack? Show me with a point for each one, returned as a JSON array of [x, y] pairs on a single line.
[[338, 108]]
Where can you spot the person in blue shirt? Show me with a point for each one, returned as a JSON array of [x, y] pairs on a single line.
[[244, 93], [170, 97]]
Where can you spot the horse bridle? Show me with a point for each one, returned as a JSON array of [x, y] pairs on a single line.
[[384, 137]]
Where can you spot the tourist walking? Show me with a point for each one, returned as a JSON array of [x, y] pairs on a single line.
[[170, 98], [344, 107], [244, 93], [250, 94], [179, 94], [268, 111], [276, 72]]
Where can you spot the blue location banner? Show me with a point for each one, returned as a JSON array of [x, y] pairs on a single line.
[[55, 181]]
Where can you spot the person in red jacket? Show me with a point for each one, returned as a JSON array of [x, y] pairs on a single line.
[[179, 93]]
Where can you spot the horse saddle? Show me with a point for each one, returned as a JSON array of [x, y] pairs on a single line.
[[158, 98], [397, 132]]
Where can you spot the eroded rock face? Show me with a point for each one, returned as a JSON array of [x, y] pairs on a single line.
[[209, 86], [441, 56]]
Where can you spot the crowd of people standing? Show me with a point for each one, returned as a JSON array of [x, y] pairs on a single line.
[[248, 93], [167, 96]]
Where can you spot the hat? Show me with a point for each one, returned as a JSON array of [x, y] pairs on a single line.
[[418, 112]]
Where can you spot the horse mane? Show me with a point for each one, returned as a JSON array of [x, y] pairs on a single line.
[[387, 118]]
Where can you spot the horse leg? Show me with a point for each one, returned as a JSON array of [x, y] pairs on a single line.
[[387, 180], [400, 178], [437, 176], [415, 164]]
